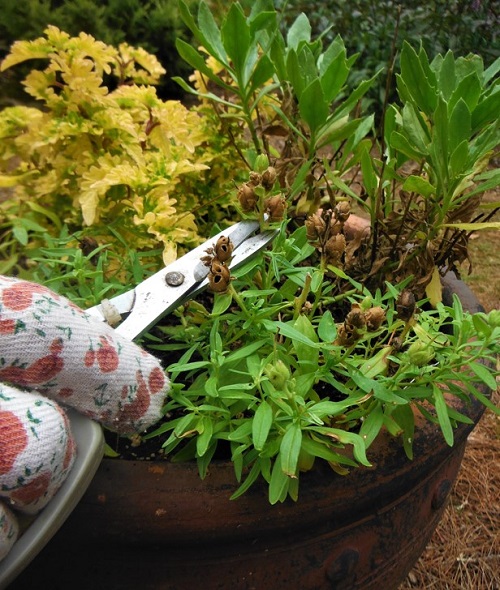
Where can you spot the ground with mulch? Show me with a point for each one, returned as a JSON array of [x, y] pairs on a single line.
[[464, 553]]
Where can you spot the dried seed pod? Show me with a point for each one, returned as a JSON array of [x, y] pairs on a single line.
[[254, 179], [269, 178], [315, 227], [275, 207], [219, 277], [223, 249], [405, 305], [346, 335], [374, 318], [356, 318], [247, 197], [342, 211], [334, 248]]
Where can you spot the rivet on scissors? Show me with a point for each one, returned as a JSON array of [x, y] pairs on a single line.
[[174, 278]]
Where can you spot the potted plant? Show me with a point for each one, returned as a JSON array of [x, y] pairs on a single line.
[[341, 358]]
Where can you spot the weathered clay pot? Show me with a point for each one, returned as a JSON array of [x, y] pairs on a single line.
[[156, 525]]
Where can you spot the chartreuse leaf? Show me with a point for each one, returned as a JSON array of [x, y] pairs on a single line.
[[434, 290]]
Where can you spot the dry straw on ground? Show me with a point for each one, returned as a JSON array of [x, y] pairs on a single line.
[[464, 552]]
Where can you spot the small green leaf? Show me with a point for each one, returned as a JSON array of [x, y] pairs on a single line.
[[442, 414], [313, 106], [278, 485], [416, 80], [419, 185], [235, 34], [290, 449], [261, 425], [205, 429], [327, 328], [484, 375], [299, 31]]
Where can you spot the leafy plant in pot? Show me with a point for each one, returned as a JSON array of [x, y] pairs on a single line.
[[332, 358]]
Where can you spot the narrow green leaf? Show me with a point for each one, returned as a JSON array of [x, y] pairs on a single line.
[[469, 90], [299, 31], [261, 425], [313, 106], [290, 449], [235, 34], [486, 111], [279, 482], [206, 430], [334, 77], [401, 144], [460, 124], [211, 35], [447, 78], [250, 479], [442, 414], [416, 80], [419, 185], [483, 374]]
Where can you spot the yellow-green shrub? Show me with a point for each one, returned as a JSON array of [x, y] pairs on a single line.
[[104, 152]]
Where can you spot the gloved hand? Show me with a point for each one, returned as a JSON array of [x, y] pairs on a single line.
[[51, 351]]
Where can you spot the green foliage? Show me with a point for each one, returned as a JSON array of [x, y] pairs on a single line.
[[369, 27], [273, 383], [313, 348], [120, 162]]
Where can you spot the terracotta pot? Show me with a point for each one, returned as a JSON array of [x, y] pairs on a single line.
[[155, 525]]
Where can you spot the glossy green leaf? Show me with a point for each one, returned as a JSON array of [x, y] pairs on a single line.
[[415, 128], [483, 373], [459, 125], [416, 80], [372, 424], [401, 144], [278, 484], [235, 34], [334, 77], [313, 107], [261, 425], [486, 111], [442, 414], [206, 430], [327, 328], [447, 77], [469, 90], [299, 31], [290, 449], [419, 185]]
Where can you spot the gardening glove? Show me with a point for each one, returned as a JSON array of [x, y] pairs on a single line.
[[51, 351]]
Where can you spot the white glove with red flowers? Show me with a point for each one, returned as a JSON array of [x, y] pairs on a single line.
[[52, 351]]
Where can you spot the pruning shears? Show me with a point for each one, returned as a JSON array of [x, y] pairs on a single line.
[[158, 295]]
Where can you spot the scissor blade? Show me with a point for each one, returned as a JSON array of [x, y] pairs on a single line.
[[158, 295]]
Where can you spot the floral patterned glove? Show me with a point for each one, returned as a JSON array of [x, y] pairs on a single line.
[[50, 348]]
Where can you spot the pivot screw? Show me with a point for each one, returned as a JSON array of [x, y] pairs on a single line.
[[174, 278]]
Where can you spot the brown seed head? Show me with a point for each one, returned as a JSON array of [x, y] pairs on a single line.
[[405, 305], [219, 277], [342, 211], [269, 178], [247, 197], [356, 318], [334, 248], [275, 207], [254, 179], [315, 227], [374, 318], [223, 249]]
